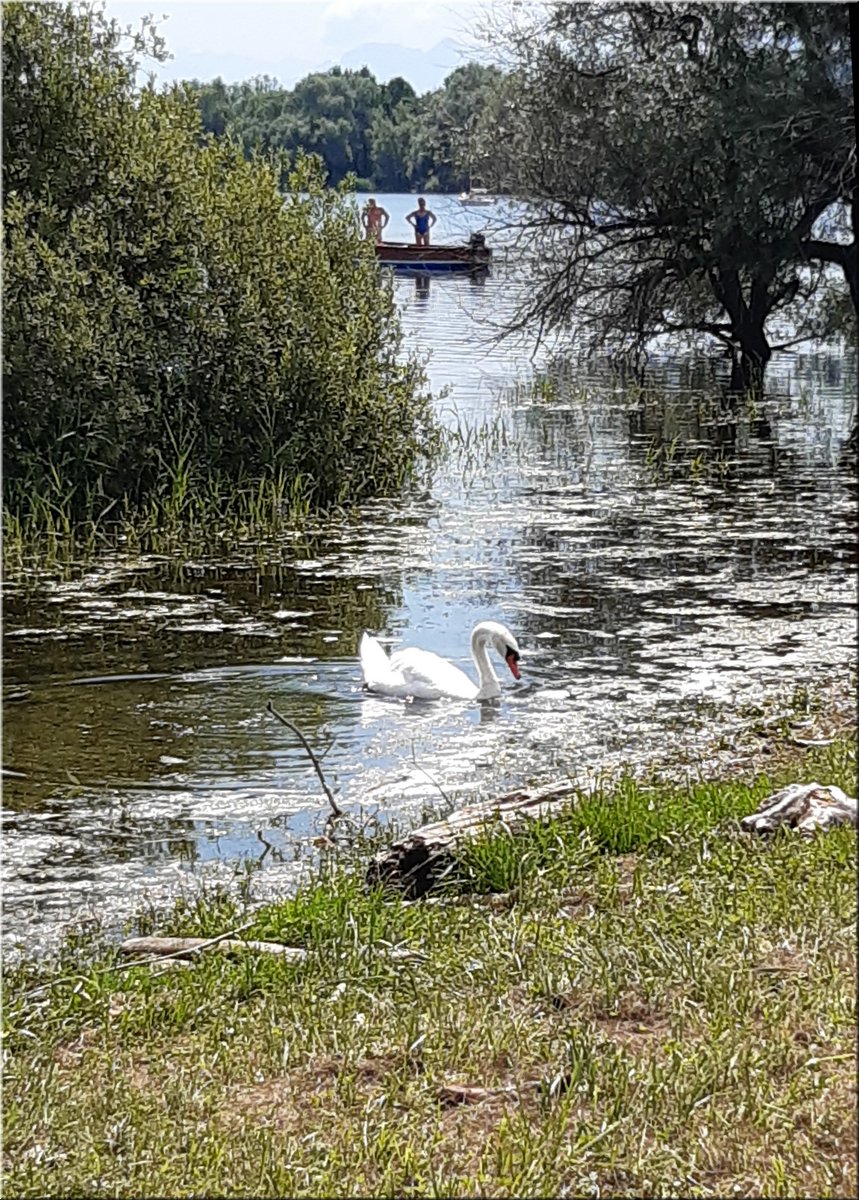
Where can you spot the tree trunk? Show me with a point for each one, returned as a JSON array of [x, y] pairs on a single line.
[[750, 364], [752, 351], [852, 269]]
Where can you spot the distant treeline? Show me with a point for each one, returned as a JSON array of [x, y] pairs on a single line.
[[385, 134]]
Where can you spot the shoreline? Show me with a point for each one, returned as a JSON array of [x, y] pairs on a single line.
[[599, 1003], [744, 739]]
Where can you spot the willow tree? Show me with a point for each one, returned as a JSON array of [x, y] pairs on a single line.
[[684, 166]]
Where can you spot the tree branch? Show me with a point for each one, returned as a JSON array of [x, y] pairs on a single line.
[[335, 808]]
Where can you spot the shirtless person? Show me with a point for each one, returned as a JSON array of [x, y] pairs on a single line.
[[374, 218], [423, 222]]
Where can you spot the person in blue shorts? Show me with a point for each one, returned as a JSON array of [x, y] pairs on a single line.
[[422, 220]]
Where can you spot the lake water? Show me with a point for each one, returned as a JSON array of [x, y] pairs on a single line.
[[655, 559]]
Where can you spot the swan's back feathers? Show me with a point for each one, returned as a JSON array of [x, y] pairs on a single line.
[[410, 672], [428, 676], [422, 675]]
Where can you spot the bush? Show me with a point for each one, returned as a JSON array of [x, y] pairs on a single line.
[[172, 314]]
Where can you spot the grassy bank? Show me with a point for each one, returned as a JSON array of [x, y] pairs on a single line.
[[653, 1003]]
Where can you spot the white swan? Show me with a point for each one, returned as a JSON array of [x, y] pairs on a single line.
[[426, 676]]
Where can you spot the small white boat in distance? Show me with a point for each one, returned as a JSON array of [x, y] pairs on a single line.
[[476, 198]]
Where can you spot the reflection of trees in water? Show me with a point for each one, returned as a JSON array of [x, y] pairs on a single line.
[[161, 630], [117, 733], [149, 842], [595, 442], [100, 799], [683, 421], [69, 739], [813, 391], [93, 754], [607, 595], [124, 839]]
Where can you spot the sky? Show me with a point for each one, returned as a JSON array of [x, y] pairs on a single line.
[[422, 40]]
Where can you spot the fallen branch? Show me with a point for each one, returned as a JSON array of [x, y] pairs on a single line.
[[419, 861], [187, 947], [457, 1093], [141, 962], [335, 808], [427, 775]]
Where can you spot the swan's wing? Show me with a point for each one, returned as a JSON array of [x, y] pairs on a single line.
[[428, 676], [376, 667]]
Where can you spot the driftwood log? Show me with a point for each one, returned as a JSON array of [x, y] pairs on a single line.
[[805, 807], [188, 947], [419, 861]]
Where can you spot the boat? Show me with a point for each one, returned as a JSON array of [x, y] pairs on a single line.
[[475, 255], [476, 197]]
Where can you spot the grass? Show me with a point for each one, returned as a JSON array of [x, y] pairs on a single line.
[[218, 518], [195, 512], [635, 998]]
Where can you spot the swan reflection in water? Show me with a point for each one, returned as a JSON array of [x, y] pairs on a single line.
[[490, 711]]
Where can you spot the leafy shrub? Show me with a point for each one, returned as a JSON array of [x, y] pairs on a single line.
[[172, 315]]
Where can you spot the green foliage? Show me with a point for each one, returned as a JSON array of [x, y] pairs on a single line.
[[631, 818], [384, 134], [170, 315]]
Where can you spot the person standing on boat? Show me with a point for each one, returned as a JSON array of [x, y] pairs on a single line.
[[374, 218], [422, 220]]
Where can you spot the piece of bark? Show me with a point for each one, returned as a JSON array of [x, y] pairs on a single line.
[[806, 807], [188, 947], [458, 1093], [419, 861]]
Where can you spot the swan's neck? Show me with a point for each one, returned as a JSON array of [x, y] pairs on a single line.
[[487, 681]]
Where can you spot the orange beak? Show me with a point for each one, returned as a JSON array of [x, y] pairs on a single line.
[[513, 665]]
